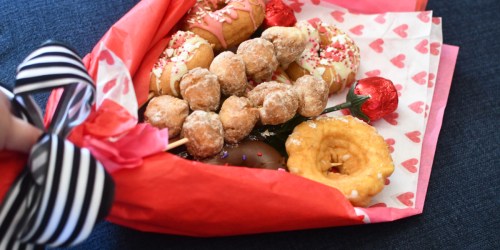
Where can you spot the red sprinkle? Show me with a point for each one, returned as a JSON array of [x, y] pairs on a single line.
[[259, 154]]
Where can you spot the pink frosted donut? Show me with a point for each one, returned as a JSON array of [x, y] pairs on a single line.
[[225, 23], [330, 53]]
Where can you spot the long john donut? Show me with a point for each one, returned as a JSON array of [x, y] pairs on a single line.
[[225, 23]]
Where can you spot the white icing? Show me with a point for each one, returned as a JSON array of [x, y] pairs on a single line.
[[354, 194]]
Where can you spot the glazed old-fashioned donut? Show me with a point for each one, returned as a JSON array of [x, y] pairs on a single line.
[[238, 117], [204, 133], [201, 89], [167, 112], [313, 95], [230, 70], [289, 43], [259, 57], [277, 102], [249, 153], [330, 53], [225, 23], [358, 154], [185, 51]]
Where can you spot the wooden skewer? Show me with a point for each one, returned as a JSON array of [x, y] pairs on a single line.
[[176, 143]]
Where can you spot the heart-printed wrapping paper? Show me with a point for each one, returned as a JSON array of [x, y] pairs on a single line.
[[405, 48], [154, 197]]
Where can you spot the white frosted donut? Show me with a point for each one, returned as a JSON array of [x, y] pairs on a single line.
[[330, 53], [184, 52]]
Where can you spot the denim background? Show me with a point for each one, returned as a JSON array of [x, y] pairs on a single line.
[[463, 201]]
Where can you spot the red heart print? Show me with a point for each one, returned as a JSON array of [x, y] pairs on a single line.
[[417, 107], [391, 118], [430, 83], [373, 73], [381, 204], [424, 16], [419, 78], [108, 86], [357, 30], [399, 88], [338, 15], [390, 143], [106, 56], [410, 165], [414, 136], [426, 109], [436, 20], [296, 6], [377, 45], [126, 88], [380, 18], [315, 2], [398, 61], [401, 30], [435, 48], [314, 22], [405, 198], [422, 46]]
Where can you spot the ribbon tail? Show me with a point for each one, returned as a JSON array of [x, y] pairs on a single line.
[[11, 214]]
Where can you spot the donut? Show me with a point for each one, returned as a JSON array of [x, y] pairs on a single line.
[[167, 112], [277, 102], [185, 51], [342, 152], [204, 133], [225, 23], [289, 43], [259, 58], [313, 95], [201, 89], [330, 53], [249, 153], [280, 75], [230, 70], [238, 117]]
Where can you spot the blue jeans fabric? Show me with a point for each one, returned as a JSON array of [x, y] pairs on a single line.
[[463, 200]]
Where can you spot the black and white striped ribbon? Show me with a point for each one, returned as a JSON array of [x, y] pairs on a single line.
[[63, 191]]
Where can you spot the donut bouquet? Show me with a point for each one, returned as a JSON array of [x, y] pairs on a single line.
[[247, 113]]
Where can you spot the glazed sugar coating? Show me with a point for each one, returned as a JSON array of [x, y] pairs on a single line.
[[238, 117], [201, 89], [313, 95], [277, 102], [204, 133], [230, 70], [167, 112], [259, 57], [289, 43], [359, 154]]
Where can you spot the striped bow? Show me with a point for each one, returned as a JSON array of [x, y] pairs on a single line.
[[63, 191]]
